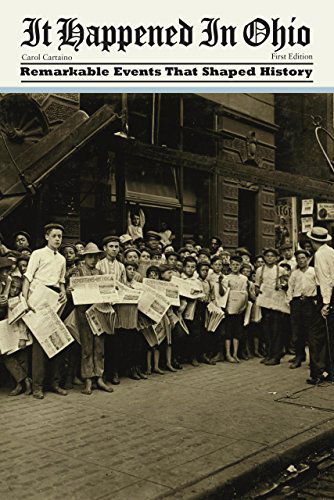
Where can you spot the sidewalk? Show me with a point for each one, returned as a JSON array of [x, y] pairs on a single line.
[[183, 435]]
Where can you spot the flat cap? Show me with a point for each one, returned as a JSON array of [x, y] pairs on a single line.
[[5, 263], [131, 249], [108, 239], [24, 233], [270, 250], [153, 235], [53, 225]]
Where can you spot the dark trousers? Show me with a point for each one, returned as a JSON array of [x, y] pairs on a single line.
[[234, 326], [194, 338], [301, 317], [180, 342], [321, 351], [274, 336], [17, 365], [198, 330], [72, 361], [42, 366], [126, 349], [113, 353], [287, 332]]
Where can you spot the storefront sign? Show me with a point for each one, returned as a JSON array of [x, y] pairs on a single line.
[[286, 230], [325, 211], [307, 224], [307, 207]]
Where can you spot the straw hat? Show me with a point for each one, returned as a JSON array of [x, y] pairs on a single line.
[[91, 249], [319, 234]]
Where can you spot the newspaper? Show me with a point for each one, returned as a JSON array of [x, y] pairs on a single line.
[[72, 325], [272, 299], [150, 336], [48, 329], [17, 307], [10, 335], [168, 288], [39, 294], [93, 289], [248, 311], [182, 323], [221, 300], [160, 332], [213, 318], [29, 341], [236, 302], [152, 303], [100, 322], [191, 289], [189, 312], [127, 295]]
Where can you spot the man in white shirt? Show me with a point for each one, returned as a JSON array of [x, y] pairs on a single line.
[[46, 266], [321, 344], [301, 294], [113, 343]]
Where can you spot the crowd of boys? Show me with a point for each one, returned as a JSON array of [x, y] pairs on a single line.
[[287, 302]]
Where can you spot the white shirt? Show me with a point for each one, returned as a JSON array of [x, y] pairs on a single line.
[[269, 275], [273, 298], [47, 267], [324, 271], [108, 266], [237, 282], [302, 283]]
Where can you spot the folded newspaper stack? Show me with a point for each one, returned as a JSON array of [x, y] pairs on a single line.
[[101, 322], [10, 336], [17, 307], [214, 316]]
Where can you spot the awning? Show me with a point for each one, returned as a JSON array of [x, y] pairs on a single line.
[[152, 186], [37, 162]]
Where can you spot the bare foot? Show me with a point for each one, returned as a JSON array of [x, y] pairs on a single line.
[[17, 390], [105, 386], [88, 387], [171, 368], [149, 371], [230, 359], [236, 359], [28, 390], [157, 370]]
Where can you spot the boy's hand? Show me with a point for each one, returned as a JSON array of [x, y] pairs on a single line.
[[22, 344], [62, 298], [325, 310], [3, 301], [30, 307]]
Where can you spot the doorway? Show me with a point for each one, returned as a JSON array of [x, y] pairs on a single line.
[[246, 219]]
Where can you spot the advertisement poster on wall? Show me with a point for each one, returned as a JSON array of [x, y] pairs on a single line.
[[286, 227]]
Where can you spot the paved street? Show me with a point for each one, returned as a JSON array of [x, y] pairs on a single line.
[[175, 435]]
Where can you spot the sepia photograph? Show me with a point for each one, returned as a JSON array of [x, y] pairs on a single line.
[[217, 382]]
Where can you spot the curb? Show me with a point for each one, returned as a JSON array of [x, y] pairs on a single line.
[[235, 480]]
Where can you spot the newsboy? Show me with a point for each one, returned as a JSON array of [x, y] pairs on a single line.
[[47, 267]]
